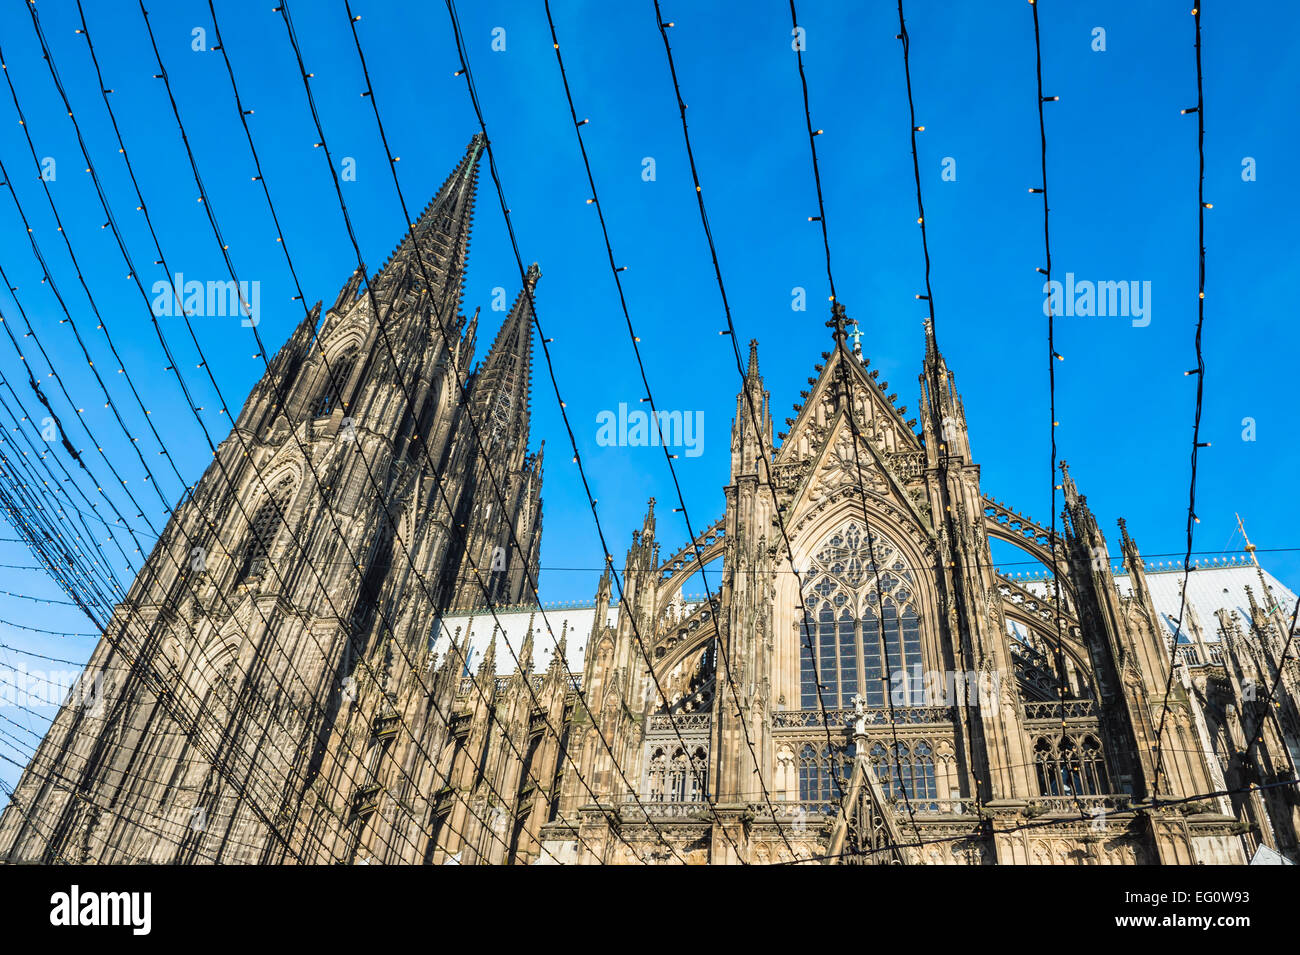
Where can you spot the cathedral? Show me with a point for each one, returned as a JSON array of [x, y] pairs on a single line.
[[335, 653]]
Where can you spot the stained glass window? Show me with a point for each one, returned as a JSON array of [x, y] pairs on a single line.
[[848, 603]]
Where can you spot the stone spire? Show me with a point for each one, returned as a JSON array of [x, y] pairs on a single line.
[[437, 243], [1137, 573], [500, 506], [487, 667], [500, 398], [526, 649], [943, 415], [752, 402], [559, 662]]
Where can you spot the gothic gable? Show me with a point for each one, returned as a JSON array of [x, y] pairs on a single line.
[[864, 832], [835, 473], [878, 419]]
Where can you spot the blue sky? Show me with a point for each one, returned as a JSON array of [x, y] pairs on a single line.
[[1122, 168]]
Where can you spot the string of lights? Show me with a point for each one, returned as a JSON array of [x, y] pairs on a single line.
[[85, 634], [126, 255], [60, 780], [94, 308], [43, 656], [851, 416], [1052, 358], [26, 506], [960, 573], [615, 272], [460, 377], [262, 350], [67, 445], [1199, 372], [173, 363], [9, 662], [62, 559], [142, 204], [110, 222], [154, 733], [41, 600], [471, 89], [84, 696], [55, 374], [27, 730], [1050, 823], [11, 800], [46, 455], [53, 633], [730, 330], [49, 542]]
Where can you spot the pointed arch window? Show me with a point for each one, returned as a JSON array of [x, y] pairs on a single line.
[[1070, 767], [683, 777], [264, 529], [699, 775], [658, 772], [679, 769], [335, 379], [824, 773], [906, 769], [849, 603]]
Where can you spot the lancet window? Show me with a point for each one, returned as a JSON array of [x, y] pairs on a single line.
[[1070, 767], [848, 602]]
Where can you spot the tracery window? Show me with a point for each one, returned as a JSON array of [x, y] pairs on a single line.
[[263, 529], [823, 773], [699, 775], [847, 601], [336, 378], [1070, 768], [906, 769], [658, 772], [681, 778]]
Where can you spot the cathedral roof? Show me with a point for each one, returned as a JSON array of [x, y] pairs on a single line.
[[1210, 588], [578, 619]]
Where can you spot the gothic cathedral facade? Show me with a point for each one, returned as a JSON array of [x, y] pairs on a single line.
[[293, 676]]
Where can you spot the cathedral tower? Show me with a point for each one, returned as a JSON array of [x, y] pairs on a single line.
[[266, 688]]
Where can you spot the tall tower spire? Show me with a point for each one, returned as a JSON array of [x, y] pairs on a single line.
[[943, 415], [504, 381], [747, 443], [502, 536], [438, 240]]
